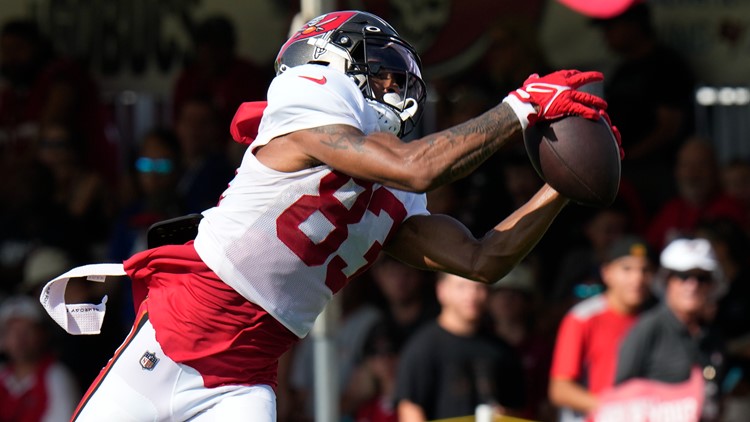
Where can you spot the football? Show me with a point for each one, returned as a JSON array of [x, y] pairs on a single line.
[[578, 157]]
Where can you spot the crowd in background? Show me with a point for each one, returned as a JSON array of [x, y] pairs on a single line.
[[66, 201]]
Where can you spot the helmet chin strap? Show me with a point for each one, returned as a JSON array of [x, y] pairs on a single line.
[[389, 119], [408, 106]]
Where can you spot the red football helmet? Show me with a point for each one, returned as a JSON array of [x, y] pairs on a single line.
[[370, 51]]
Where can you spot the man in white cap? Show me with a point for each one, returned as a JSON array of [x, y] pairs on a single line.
[[671, 340]]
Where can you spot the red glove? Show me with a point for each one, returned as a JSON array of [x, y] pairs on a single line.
[[553, 96], [615, 132]]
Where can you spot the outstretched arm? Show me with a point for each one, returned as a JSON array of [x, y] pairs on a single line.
[[440, 158], [439, 242], [417, 166]]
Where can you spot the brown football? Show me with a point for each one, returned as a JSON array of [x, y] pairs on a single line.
[[577, 157]]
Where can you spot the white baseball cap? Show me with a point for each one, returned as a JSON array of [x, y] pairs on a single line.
[[689, 254]]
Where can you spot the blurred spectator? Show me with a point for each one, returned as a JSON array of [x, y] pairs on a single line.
[[580, 267], [585, 354], [375, 378], [38, 88], [217, 74], [735, 179], [83, 210], [451, 365], [513, 309], [408, 300], [41, 87], [34, 386], [731, 246], [205, 168], [27, 217], [699, 196], [650, 96], [157, 168], [357, 318], [673, 338], [405, 309], [511, 302], [43, 264]]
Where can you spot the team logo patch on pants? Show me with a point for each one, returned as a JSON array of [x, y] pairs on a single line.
[[149, 360]]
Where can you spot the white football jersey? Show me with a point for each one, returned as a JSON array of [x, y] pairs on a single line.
[[288, 241]]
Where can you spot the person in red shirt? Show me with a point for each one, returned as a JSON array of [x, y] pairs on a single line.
[[584, 359], [34, 385]]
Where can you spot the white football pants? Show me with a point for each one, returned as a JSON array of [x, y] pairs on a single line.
[[141, 384]]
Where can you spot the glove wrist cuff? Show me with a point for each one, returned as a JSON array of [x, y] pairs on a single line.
[[521, 109]]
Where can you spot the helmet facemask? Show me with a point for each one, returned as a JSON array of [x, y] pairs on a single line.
[[390, 78]]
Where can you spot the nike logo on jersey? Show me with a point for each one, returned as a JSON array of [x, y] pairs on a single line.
[[321, 80]]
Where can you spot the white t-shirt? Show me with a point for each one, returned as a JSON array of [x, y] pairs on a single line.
[[288, 241]]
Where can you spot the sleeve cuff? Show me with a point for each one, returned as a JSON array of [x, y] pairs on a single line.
[[521, 109]]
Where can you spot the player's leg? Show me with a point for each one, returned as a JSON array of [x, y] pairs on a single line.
[[136, 384], [140, 383], [242, 403]]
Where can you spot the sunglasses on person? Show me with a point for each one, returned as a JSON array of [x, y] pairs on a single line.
[[587, 290], [154, 165], [701, 278]]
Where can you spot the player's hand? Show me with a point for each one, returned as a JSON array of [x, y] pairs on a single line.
[[555, 95], [615, 132]]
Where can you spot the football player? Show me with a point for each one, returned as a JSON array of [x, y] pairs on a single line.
[[325, 185]]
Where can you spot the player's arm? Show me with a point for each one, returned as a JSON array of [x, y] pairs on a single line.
[[416, 166], [440, 158], [439, 242]]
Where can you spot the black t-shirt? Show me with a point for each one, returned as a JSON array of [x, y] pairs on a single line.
[[660, 348], [449, 375]]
